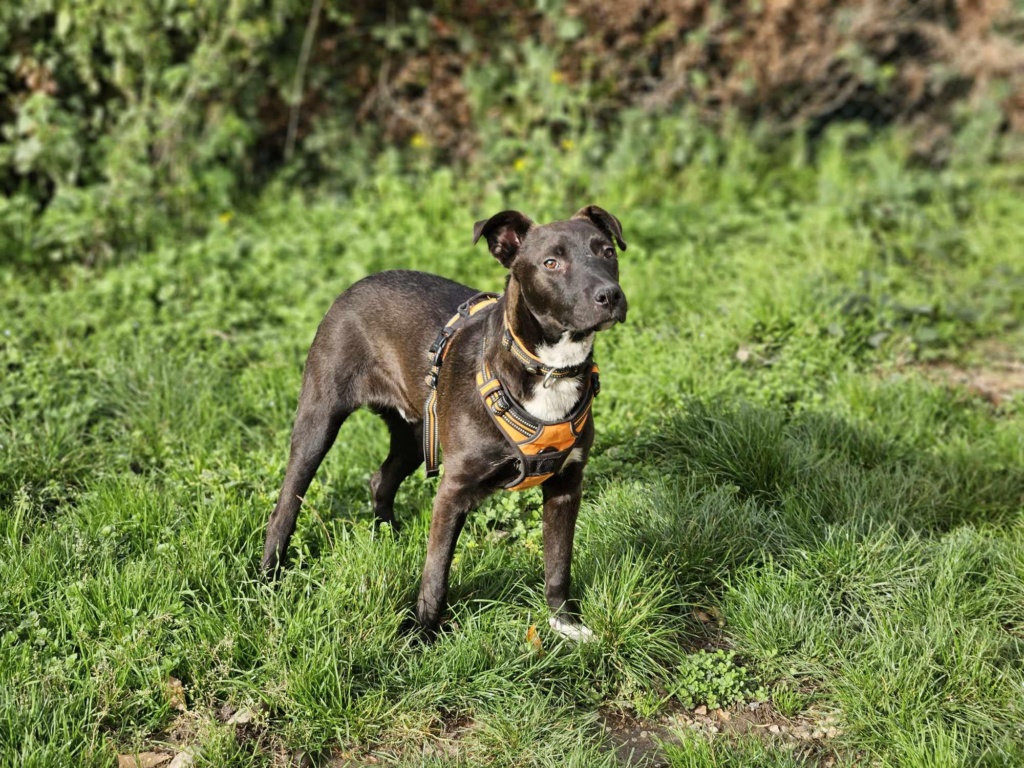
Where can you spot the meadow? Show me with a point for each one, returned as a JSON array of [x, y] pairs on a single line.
[[801, 541]]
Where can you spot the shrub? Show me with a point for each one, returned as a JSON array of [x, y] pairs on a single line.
[[121, 122]]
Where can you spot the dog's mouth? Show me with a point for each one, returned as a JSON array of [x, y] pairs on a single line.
[[618, 315], [590, 331], [583, 322]]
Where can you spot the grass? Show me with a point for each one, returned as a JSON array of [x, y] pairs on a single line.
[[770, 452]]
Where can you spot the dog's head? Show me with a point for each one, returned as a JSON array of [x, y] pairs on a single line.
[[567, 271]]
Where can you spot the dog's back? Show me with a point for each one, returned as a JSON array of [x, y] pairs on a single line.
[[371, 347]]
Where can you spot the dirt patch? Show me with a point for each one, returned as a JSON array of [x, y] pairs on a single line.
[[144, 760], [639, 742], [997, 385], [992, 369], [440, 744], [636, 742]]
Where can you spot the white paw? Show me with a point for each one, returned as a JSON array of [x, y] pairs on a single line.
[[578, 633]]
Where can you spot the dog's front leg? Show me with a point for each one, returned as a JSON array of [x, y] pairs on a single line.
[[562, 495], [453, 503]]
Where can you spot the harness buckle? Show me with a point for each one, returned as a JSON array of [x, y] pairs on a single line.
[[442, 338], [436, 351], [431, 378], [501, 404], [546, 462]]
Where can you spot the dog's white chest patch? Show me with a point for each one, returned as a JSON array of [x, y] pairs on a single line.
[[554, 402], [575, 456], [565, 351]]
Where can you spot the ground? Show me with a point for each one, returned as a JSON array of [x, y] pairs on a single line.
[[801, 542]]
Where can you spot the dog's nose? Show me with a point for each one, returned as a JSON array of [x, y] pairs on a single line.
[[609, 296]]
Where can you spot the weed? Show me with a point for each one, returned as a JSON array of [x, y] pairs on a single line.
[[714, 679]]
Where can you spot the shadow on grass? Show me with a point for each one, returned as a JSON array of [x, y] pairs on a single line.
[[719, 485], [874, 561], [772, 481]]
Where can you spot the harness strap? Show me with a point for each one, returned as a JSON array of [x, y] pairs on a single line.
[[542, 447], [532, 363], [437, 352]]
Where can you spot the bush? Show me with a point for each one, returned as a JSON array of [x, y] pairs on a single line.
[[121, 123]]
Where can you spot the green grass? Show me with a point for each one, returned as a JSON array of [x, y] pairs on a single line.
[[768, 451]]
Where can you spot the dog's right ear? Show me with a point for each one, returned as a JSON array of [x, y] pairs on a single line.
[[504, 232]]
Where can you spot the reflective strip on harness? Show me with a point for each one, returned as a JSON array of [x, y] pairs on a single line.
[[438, 350]]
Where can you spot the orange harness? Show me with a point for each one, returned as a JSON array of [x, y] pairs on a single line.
[[542, 447]]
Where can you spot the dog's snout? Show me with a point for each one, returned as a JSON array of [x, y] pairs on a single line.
[[609, 296]]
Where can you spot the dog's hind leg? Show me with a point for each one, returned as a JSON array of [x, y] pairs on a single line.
[[320, 415], [405, 454]]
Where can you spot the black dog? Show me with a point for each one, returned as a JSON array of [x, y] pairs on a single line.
[[510, 405]]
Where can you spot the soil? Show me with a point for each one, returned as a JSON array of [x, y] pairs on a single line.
[[638, 742], [992, 369]]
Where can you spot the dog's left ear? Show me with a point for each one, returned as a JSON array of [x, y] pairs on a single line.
[[504, 232], [604, 221]]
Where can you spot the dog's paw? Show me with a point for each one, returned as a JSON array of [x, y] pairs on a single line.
[[578, 633], [416, 633]]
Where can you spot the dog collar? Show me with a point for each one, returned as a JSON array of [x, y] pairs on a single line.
[[533, 364]]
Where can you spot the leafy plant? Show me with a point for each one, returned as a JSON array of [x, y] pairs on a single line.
[[715, 679]]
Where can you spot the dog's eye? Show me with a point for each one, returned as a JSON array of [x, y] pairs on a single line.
[[608, 252], [551, 263]]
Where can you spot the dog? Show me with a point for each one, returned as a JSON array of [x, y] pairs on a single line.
[[502, 384]]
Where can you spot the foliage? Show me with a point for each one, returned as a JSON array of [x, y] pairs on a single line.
[[696, 751], [117, 117], [762, 452], [714, 679], [788, 701], [126, 124]]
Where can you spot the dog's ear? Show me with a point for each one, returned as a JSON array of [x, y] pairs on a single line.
[[604, 221], [504, 232]]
